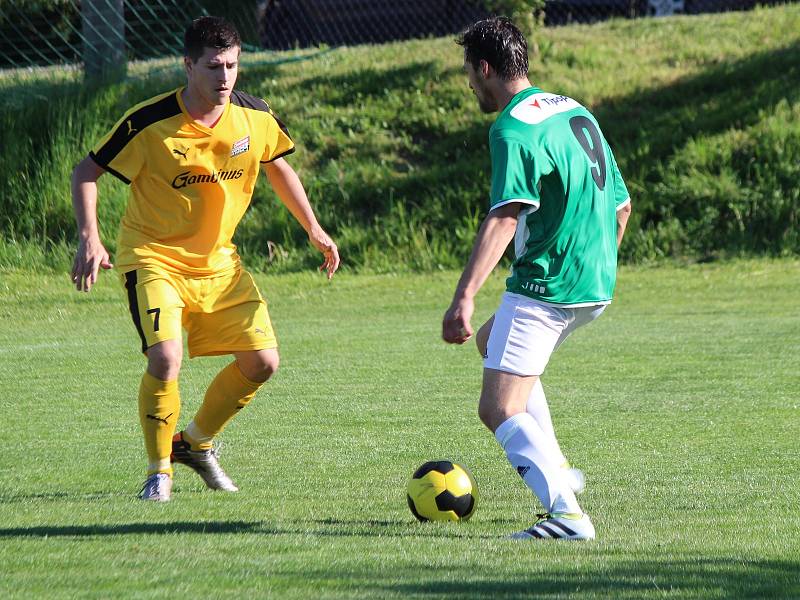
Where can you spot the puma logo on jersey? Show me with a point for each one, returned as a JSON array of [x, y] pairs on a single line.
[[183, 154]]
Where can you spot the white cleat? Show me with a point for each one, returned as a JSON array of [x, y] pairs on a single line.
[[203, 462], [558, 526], [157, 488]]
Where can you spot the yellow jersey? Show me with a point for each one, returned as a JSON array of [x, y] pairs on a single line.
[[190, 184]]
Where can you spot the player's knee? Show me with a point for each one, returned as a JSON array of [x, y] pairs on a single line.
[[260, 366], [486, 414], [493, 415], [269, 365], [164, 361]]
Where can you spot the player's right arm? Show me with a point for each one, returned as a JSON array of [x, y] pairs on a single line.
[[494, 235], [515, 175], [91, 254]]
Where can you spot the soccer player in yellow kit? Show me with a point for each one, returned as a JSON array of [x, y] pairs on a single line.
[[191, 157]]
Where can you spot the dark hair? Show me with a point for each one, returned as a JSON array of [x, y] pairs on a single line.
[[209, 32], [497, 41]]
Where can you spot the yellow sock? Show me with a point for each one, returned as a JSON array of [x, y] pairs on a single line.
[[159, 408], [230, 392]]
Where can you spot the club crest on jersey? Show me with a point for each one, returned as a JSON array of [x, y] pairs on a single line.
[[243, 145]]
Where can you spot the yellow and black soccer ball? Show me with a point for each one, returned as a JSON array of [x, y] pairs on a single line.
[[442, 491]]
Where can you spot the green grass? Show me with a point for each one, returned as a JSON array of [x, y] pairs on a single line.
[[680, 404], [393, 149]]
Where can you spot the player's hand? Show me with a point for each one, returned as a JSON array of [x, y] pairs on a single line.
[[323, 242], [89, 258], [456, 327]]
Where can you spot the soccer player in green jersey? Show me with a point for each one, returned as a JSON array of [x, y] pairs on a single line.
[[557, 192]]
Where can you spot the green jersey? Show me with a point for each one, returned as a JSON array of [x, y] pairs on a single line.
[[548, 154]]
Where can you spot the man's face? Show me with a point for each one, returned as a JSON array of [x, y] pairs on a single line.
[[478, 84], [213, 76]]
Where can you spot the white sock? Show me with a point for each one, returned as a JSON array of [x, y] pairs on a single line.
[[538, 409], [162, 466], [197, 436], [522, 439]]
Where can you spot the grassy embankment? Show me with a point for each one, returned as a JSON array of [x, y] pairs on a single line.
[[703, 113]]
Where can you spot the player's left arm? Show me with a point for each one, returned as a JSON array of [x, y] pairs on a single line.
[[284, 180], [621, 196], [623, 213]]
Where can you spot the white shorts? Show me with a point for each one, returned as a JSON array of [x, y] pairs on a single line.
[[526, 332]]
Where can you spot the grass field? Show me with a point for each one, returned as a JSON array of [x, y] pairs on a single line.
[[680, 404]]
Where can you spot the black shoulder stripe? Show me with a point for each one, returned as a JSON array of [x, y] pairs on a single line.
[[281, 125], [247, 101], [136, 123], [116, 174], [281, 155]]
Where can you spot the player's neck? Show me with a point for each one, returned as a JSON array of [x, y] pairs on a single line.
[[201, 110], [506, 92]]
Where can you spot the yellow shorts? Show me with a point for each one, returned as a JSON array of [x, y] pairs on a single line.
[[221, 314]]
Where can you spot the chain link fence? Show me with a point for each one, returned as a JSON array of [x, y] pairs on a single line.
[[287, 24], [563, 12], [48, 32], [41, 33]]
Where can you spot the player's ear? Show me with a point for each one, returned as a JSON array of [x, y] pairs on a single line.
[[484, 68], [188, 64]]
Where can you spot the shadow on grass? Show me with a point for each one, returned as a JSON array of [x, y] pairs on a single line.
[[52, 496], [606, 574], [46, 531], [334, 528], [652, 124], [405, 528], [695, 577], [344, 90]]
